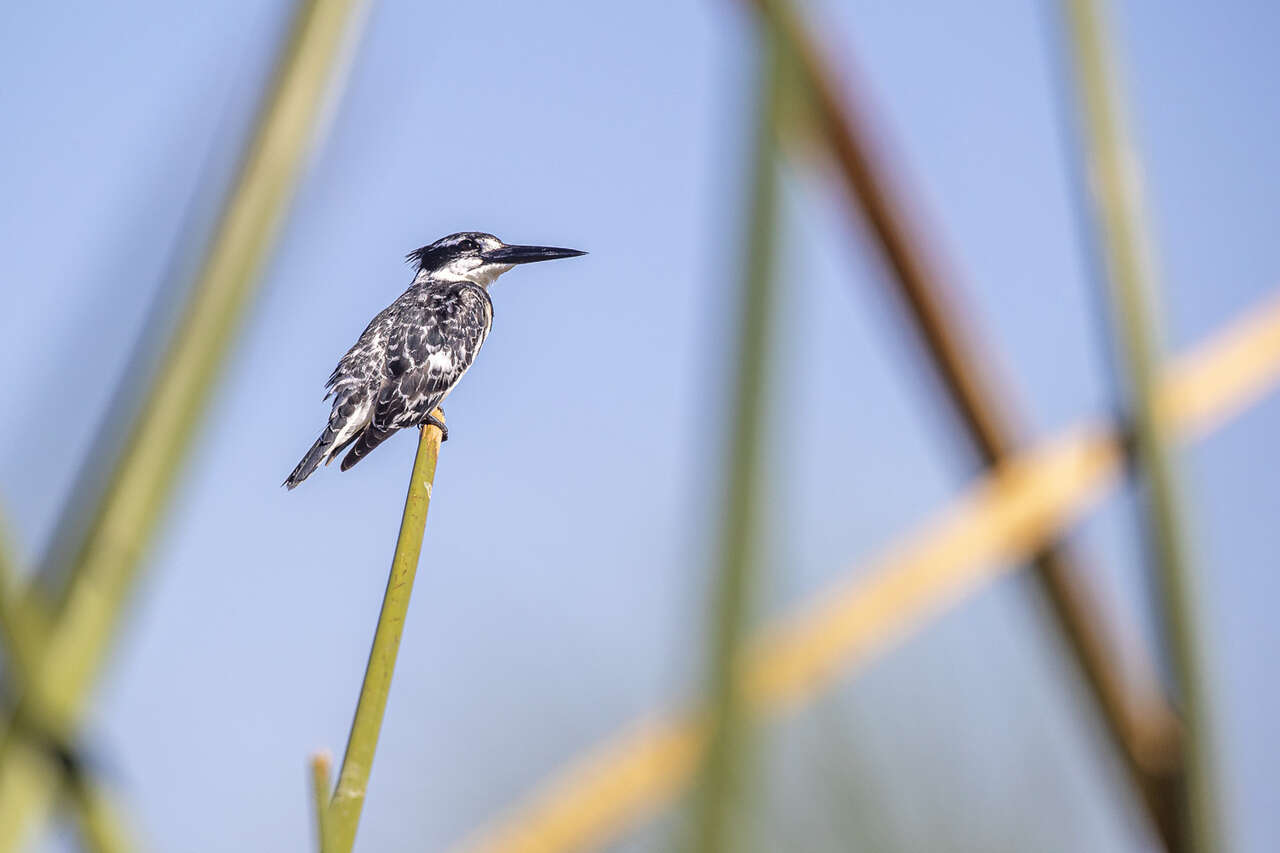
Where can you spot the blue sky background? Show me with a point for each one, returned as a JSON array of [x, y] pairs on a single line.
[[562, 585]]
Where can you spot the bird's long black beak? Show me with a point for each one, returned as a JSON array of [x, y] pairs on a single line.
[[529, 254]]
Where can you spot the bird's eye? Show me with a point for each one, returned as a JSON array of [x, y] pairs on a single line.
[[468, 245]]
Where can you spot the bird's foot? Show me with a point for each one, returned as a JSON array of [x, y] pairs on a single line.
[[432, 420]]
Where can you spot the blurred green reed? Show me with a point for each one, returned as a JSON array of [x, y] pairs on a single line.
[[107, 558], [721, 782], [1128, 252]]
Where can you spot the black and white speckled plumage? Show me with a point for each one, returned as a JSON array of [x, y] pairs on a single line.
[[414, 352]]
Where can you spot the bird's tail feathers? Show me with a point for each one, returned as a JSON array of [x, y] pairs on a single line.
[[312, 460], [369, 438], [335, 452], [349, 411]]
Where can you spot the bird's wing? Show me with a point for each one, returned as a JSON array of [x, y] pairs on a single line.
[[428, 351], [361, 363]]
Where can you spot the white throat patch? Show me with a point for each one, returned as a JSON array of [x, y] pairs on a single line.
[[472, 269]]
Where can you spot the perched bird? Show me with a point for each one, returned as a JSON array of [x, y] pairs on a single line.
[[417, 349]]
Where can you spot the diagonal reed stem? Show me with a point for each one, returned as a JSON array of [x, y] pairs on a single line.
[[19, 630], [720, 782], [108, 556], [102, 828], [1128, 254], [348, 800]]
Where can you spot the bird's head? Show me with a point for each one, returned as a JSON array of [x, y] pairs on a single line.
[[477, 257]]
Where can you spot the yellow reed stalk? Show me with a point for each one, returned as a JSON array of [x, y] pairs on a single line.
[[987, 531]]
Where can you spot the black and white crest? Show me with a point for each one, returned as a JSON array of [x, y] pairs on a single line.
[[416, 350]]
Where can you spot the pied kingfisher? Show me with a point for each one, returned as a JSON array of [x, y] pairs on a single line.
[[417, 349]]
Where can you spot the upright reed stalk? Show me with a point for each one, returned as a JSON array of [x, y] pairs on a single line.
[[321, 785], [1129, 258], [339, 829], [720, 781]]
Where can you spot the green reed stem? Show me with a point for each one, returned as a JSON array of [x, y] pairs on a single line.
[[1127, 249], [348, 800], [721, 783]]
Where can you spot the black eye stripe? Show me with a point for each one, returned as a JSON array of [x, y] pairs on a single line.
[[446, 249]]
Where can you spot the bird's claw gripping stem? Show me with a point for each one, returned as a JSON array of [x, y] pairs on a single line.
[[432, 420]]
